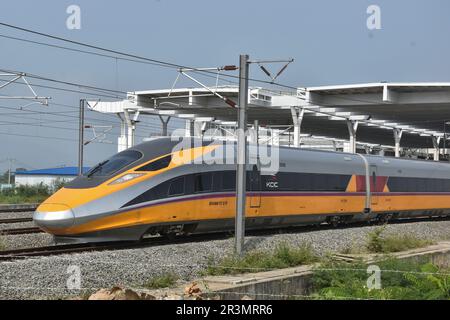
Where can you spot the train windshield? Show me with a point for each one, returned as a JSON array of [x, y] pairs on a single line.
[[114, 164]]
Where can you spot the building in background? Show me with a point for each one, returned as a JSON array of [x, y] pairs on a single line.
[[48, 177]]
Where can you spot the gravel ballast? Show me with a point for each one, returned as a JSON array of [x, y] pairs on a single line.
[[18, 225], [13, 215], [47, 277]]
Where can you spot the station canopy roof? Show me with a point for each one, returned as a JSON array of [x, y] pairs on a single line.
[[420, 110]]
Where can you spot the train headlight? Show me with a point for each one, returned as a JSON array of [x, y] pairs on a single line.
[[127, 177]]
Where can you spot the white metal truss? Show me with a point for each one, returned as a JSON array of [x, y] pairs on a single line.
[[184, 71], [99, 133], [9, 78]]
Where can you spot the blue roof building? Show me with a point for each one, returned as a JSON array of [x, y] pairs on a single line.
[[62, 171], [50, 177]]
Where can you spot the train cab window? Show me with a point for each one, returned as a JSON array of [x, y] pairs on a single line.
[[203, 182], [114, 164], [229, 181], [157, 165], [176, 187]]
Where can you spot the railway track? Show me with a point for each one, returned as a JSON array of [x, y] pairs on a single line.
[[16, 231], [15, 220], [17, 208], [10, 255]]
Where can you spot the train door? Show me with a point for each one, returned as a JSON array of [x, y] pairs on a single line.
[[373, 184], [255, 187]]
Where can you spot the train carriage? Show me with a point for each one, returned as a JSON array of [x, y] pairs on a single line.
[[143, 190]]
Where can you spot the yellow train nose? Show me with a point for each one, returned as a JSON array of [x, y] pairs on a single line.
[[54, 216]]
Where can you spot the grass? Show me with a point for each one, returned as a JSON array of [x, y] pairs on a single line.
[[15, 199], [163, 281], [28, 194], [378, 242], [399, 280], [284, 256]]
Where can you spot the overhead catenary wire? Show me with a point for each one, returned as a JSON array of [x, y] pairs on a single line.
[[161, 63], [44, 125], [142, 125], [46, 137], [98, 91], [153, 61], [95, 53], [64, 89], [134, 56]]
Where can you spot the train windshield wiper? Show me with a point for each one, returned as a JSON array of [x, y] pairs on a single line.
[[96, 168]]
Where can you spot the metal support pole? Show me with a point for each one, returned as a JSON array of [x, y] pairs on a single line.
[[241, 155], [81, 138], [397, 137], [9, 171]]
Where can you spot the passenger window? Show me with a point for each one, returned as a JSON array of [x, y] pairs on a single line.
[[217, 181], [176, 187], [157, 165], [203, 182], [229, 181], [160, 191]]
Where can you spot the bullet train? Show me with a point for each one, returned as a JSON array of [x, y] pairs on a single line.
[[142, 190]]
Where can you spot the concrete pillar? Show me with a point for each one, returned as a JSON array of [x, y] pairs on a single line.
[[199, 128], [131, 129], [275, 133], [189, 128], [397, 137], [254, 133], [352, 128], [297, 118], [436, 141], [122, 139]]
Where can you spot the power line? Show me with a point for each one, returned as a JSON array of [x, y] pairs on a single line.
[[155, 61], [64, 89], [148, 60], [150, 127], [93, 88], [94, 53], [46, 137]]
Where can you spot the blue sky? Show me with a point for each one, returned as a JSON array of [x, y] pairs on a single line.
[[329, 41]]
